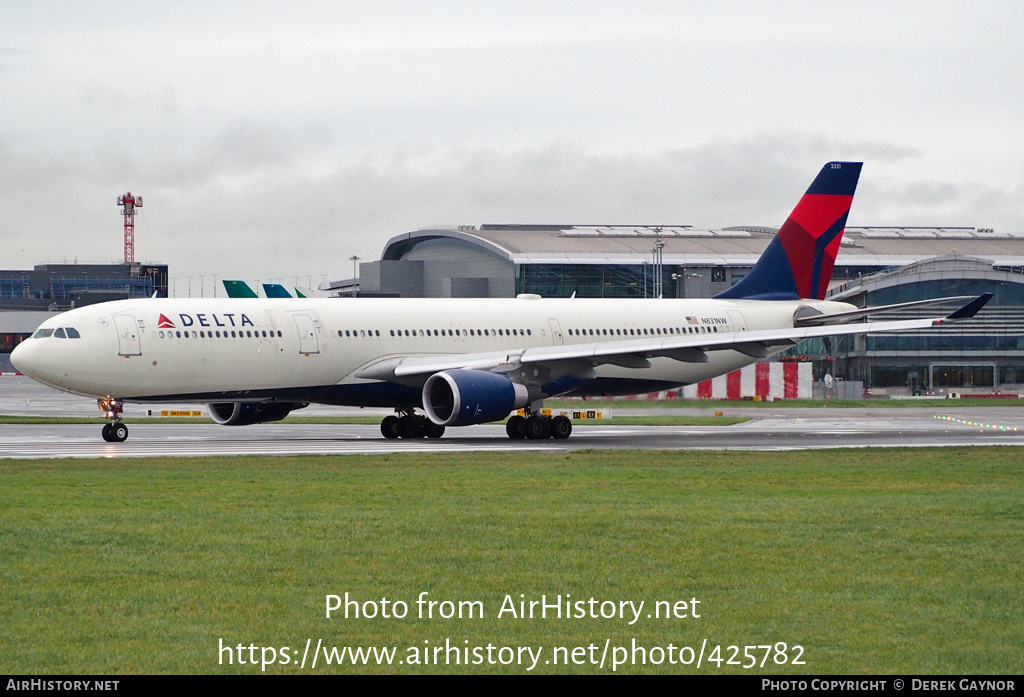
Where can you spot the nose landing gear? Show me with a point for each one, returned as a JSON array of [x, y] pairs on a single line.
[[115, 431]]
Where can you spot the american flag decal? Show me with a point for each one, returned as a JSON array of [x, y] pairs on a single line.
[[692, 320]]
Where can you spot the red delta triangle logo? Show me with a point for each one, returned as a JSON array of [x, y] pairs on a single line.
[[164, 323]]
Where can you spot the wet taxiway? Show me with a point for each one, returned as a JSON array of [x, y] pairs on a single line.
[[787, 428]]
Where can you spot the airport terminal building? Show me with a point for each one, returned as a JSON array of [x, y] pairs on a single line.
[[875, 266], [58, 287]]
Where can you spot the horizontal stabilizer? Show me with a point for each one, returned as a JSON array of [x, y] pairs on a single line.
[[815, 319]]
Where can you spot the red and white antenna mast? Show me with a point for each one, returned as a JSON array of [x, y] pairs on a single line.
[[128, 205]]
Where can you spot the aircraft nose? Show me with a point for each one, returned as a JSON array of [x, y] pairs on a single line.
[[25, 357]]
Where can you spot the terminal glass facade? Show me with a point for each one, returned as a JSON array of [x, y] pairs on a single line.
[[592, 280], [137, 287], [15, 288]]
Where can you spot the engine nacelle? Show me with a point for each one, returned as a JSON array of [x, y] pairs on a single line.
[[246, 413], [466, 397]]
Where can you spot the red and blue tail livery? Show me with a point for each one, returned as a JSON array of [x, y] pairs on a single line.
[[798, 262]]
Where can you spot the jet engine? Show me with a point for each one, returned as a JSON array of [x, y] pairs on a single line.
[[246, 413], [466, 397]]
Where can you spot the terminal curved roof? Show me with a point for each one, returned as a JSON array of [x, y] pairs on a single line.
[[682, 244]]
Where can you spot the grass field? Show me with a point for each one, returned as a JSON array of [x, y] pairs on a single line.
[[873, 561]]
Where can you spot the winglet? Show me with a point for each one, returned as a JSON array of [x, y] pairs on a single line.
[[970, 309]]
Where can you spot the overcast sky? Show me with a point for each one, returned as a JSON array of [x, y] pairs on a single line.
[[271, 140]]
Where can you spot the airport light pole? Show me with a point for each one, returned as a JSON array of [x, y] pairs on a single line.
[[657, 252]]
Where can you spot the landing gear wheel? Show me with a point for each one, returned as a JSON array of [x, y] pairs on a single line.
[[412, 426], [515, 427], [115, 431], [561, 427], [419, 426], [118, 433], [389, 427], [433, 430], [537, 428], [405, 427]]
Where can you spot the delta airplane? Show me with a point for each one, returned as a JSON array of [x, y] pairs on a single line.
[[459, 361]]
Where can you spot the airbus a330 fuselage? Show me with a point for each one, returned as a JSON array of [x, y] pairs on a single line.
[[338, 351]]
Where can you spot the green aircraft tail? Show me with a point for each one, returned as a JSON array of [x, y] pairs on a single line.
[[239, 289]]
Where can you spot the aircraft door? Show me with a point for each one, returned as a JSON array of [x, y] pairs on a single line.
[[308, 342], [738, 322], [556, 332], [128, 340]]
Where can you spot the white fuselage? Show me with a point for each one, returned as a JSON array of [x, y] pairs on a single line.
[[315, 349]]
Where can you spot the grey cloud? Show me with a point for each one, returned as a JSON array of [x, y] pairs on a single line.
[[258, 201]]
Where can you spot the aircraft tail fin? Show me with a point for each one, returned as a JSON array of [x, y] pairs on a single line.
[[275, 290], [239, 289], [798, 261]]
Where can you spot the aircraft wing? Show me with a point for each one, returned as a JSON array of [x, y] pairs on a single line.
[[634, 353]]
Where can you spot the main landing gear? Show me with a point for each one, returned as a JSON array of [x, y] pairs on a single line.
[[115, 431], [538, 427], [409, 425]]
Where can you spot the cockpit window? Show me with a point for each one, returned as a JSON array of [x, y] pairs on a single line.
[[59, 333], [72, 333], [42, 333]]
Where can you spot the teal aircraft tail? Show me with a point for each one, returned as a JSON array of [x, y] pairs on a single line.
[[275, 290]]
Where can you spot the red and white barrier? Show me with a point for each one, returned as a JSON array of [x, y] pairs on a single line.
[[764, 380]]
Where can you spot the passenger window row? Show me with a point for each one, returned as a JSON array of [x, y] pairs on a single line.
[[645, 331], [250, 334], [72, 333], [437, 332]]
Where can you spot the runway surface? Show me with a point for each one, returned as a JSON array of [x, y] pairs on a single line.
[[769, 429]]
